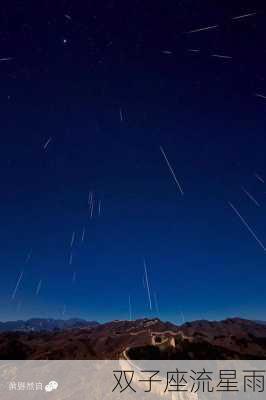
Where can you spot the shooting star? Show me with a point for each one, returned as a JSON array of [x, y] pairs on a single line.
[[143, 281], [72, 239], [83, 234], [250, 197], [3, 59], [260, 95], [259, 178], [147, 284], [244, 16], [70, 258], [99, 207], [17, 285], [121, 114], [247, 226], [91, 204], [222, 56], [47, 143], [207, 28], [171, 170], [67, 16], [168, 52], [38, 287]]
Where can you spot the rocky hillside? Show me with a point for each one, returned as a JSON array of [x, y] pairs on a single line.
[[228, 339]]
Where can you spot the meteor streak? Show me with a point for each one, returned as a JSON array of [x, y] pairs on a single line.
[[247, 226], [171, 170], [17, 285], [147, 283], [207, 28], [250, 197]]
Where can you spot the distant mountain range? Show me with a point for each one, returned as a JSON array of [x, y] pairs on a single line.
[[261, 322], [79, 339], [51, 324], [47, 325]]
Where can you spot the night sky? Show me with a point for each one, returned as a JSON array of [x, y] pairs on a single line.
[[90, 90]]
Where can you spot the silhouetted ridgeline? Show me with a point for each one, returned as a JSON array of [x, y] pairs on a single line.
[[40, 324], [141, 339]]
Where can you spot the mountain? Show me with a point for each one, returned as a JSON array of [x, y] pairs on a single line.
[[141, 339], [261, 322], [40, 324]]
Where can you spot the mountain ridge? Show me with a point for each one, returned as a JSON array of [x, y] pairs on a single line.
[[233, 338], [49, 324], [45, 324]]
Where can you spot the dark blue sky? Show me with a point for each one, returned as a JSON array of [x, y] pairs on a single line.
[[75, 67]]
